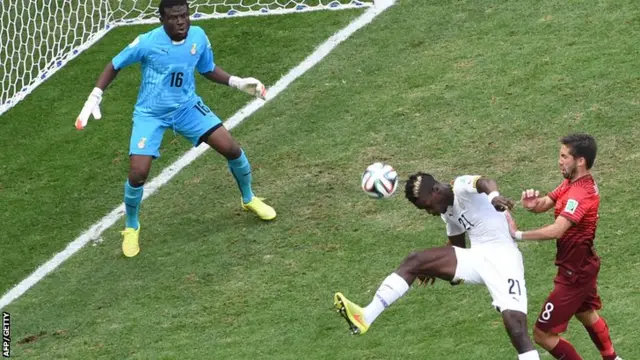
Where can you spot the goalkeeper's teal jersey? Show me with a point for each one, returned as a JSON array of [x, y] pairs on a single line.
[[168, 68]]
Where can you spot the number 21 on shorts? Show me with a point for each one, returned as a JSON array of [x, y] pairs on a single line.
[[514, 287]]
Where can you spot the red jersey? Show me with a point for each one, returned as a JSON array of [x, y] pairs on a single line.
[[578, 202]]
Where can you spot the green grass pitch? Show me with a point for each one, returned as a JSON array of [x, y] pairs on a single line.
[[449, 87]]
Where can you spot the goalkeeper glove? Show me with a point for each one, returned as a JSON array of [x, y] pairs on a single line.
[[249, 85], [91, 107]]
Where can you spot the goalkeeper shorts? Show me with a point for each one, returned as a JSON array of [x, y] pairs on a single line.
[[192, 121]]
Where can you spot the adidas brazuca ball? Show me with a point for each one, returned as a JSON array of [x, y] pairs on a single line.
[[379, 180]]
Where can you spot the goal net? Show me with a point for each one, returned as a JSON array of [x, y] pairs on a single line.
[[38, 37]]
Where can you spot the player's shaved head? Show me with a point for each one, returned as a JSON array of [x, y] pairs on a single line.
[[164, 4], [174, 15]]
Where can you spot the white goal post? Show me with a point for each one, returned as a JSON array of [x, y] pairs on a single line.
[[38, 37]]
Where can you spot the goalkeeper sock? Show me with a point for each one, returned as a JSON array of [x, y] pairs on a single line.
[[132, 200], [241, 171]]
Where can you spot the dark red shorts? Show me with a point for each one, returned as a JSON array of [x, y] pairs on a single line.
[[565, 301]]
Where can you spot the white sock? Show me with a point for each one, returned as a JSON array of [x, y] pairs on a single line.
[[392, 288], [529, 355]]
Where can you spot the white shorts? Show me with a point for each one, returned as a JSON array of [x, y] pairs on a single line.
[[501, 269]]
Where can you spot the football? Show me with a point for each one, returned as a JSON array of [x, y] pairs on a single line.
[[379, 180]]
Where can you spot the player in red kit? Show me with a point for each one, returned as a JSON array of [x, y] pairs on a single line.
[[575, 292]]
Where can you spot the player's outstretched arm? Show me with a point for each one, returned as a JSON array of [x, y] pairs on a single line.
[[249, 85], [532, 201], [92, 105], [576, 207], [108, 74], [218, 76], [549, 232], [490, 187]]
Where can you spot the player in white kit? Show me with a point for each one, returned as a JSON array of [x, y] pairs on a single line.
[[470, 205]]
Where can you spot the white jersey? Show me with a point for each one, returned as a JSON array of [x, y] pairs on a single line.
[[473, 213], [493, 259]]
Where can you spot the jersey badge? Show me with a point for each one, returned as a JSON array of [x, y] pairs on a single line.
[[194, 49], [571, 206]]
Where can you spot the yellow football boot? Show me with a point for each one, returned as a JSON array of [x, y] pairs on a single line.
[[352, 313], [264, 211], [130, 246]]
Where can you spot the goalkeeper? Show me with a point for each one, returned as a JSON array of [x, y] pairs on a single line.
[[167, 100]]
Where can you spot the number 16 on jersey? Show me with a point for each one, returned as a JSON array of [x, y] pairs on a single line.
[[176, 79]]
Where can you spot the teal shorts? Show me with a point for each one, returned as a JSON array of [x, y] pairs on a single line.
[[193, 121]]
